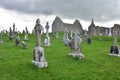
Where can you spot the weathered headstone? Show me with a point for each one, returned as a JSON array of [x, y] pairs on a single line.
[[71, 34], [17, 41], [11, 36], [26, 34], [38, 51], [66, 39], [24, 45], [75, 46], [1, 38], [26, 30], [114, 49], [26, 37], [57, 35], [47, 39], [88, 40], [14, 33]]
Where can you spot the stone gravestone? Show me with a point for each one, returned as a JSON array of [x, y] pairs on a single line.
[[88, 40], [24, 45], [66, 39], [38, 51], [11, 36], [26, 35], [1, 38], [71, 34], [114, 49], [75, 46], [57, 35], [47, 39], [14, 32], [17, 41]]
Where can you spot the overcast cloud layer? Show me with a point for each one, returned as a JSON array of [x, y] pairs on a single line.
[[100, 10]]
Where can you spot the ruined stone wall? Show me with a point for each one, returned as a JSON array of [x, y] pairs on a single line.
[[58, 25]]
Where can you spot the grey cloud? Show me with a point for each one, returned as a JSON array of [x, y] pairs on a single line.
[[100, 10]]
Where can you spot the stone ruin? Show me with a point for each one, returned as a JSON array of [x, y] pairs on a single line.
[[59, 26], [93, 30], [103, 31], [38, 51]]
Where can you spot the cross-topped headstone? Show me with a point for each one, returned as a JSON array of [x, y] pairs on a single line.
[[75, 46], [10, 34], [47, 28], [114, 49], [38, 51], [26, 34], [47, 39], [14, 29]]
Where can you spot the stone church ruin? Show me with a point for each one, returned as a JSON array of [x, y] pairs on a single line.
[[58, 26]]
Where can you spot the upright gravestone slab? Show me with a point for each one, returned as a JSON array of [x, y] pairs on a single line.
[[38, 51], [88, 40], [26, 34], [26, 37], [1, 38], [24, 45], [75, 46], [71, 34], [114, 49], [66, 39], [17, 41], [47, 39], [11, 36], [14, 32], [57, 35]]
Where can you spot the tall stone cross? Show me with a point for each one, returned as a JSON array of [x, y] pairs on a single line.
[[38, 30], [47, 28], [115, 38]]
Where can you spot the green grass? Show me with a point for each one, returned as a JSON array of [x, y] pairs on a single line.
[[15, 62]]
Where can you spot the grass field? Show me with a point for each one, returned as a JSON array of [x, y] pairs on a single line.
[[15, 62]]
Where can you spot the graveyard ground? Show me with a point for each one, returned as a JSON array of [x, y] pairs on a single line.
[[15, 62]]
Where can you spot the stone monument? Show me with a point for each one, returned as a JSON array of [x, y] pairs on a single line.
[[17, 41], [47, 39], [114, 49], [24, 45], [38, 51], [57, 35], [11, 36], [1, 38], [75, 46], [66, 39], [71, 34], [14, 32], [26, 35], [88, 40]]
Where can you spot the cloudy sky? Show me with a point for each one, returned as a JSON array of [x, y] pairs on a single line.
[[25, 12]]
